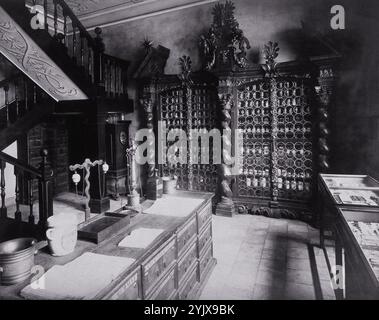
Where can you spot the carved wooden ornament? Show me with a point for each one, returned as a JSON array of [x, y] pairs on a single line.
[[27, 56]]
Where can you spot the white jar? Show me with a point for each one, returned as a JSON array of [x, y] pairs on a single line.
[[62, 233]]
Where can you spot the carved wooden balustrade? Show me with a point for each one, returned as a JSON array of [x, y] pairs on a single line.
[[106, 72], [43, 177], [18, 95], [22, 105]]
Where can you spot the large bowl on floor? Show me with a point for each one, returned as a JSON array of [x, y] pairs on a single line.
[[17, 259]]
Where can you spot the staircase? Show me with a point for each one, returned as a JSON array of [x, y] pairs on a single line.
[[59, 66], [23, 107]]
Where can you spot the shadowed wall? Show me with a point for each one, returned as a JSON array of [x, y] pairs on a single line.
[[355, 145]]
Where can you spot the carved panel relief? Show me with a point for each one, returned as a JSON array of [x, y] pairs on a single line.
[[23, 52]]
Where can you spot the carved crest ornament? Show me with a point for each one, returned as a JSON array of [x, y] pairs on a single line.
[[224, 43], [270, 53]]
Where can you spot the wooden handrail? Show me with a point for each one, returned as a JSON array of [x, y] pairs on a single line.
[[67, 10], [20, 165], [45, 192]]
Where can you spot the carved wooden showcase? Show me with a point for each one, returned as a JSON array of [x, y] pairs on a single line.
[[185, 105], [274, 122], [277, 115]]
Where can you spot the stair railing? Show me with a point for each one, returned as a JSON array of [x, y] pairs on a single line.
[[42, 176], [106, 72], [18, 95]]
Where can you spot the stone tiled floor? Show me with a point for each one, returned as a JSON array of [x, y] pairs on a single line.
[[259, 258]]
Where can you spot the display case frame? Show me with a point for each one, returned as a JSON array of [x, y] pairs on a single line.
[[359, 279], [330, 210]]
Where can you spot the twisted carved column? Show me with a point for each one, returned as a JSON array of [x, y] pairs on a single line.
[[226, 205], [271, 51], [147, 104], [274, 133], [185, 77], [324, 92], [190, 138]]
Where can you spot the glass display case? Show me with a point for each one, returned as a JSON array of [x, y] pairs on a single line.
[[357, 251], [333, 181], [350, 190], [354, 200]]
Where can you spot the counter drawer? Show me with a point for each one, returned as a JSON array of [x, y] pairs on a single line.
[[166, 289], [203, 216], [205, 261], [128, 289], [188, 285], [185, 235], [187, 261], [154, 268], [205, 236]]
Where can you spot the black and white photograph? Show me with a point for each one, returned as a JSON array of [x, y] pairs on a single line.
[[208, 151]]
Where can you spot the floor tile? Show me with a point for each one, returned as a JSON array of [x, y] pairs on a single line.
[[275, 244], [229, 292], [294, 243], [298, 253], [274, 254], [272, 264], [262, 292], [294, 291], [299, 276], [299, 264], [270, 278]]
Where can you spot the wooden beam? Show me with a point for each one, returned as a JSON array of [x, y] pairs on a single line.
[[125, 13]]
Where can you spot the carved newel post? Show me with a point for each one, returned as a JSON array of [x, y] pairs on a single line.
[[98, 61], [226, 205], [45, 190]]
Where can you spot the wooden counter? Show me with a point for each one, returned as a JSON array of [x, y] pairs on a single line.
[[175, 266]]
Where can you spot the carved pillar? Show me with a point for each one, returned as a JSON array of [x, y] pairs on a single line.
[[273, 153], [271, 51], [185, 77], [45, 191], [324, 91], [226, 205], [95, 148], [148, 106], [190, 138], [99, 76]]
